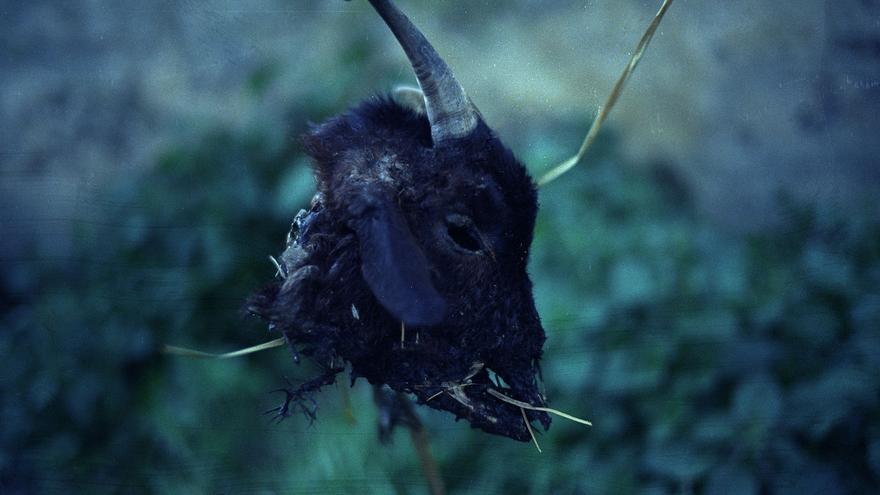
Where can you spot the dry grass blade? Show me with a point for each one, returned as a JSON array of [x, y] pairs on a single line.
[[279, 271], [531, 431], [526, 405], [182, 351], [567, 165]]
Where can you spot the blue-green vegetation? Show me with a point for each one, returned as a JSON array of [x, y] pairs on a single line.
[[708, 362]]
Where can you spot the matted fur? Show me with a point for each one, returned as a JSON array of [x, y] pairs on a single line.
[[435, 236]]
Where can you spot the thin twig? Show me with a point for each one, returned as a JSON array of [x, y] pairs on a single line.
[[420, 442], [568, 164], [182, 351], [429, 465]]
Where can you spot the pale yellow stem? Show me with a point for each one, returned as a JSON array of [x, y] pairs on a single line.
[[182, 351], [526, 405], [568, 164]]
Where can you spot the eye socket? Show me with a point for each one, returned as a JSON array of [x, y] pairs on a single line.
[[462, 232], [463, 237]]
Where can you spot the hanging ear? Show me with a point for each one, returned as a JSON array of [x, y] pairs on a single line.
[[392, 263]]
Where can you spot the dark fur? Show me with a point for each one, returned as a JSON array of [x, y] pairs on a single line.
[[383, 190]]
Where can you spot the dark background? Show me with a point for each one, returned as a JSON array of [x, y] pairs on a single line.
[[709, 277]]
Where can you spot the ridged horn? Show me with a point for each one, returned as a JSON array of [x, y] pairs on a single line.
[[449, 110]]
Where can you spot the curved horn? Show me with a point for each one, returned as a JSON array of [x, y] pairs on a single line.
[[449, 111]]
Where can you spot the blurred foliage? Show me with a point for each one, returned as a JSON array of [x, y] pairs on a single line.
[[708, 362]]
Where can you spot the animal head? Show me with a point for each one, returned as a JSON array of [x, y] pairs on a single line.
[[411, 263]]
